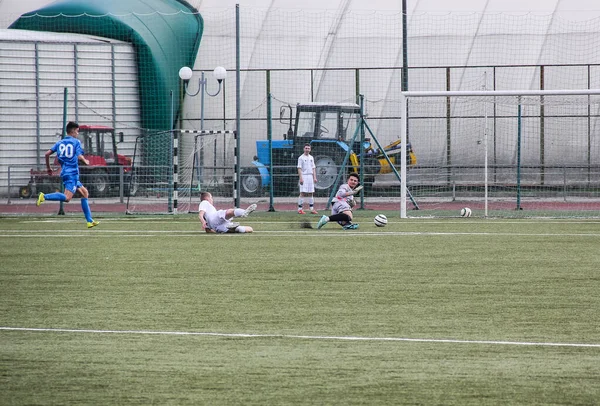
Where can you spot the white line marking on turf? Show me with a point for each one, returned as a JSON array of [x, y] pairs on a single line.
[[53, 221], [303, 337], [277, 233], [420, 221]]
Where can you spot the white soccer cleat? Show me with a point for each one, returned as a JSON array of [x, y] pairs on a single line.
[[232, 226], [249, 210]]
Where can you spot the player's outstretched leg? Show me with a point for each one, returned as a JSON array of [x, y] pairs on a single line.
[[249, 210], [56, 196]]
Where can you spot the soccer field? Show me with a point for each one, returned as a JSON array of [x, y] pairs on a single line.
[[151, 310]]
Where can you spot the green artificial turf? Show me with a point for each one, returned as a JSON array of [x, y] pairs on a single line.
[[150, 310]]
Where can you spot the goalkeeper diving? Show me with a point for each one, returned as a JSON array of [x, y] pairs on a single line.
[[342, 204]]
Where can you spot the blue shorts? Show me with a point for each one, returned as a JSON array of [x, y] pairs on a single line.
[[71, 183]]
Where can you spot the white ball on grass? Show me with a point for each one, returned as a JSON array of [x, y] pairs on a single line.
[[380, 220]]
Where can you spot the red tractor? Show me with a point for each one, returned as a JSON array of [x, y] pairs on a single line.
[[105, 174]]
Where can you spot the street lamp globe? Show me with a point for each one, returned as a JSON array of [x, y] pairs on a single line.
[[185, 73], [220, 73]]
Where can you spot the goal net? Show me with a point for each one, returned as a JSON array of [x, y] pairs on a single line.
[[171, 168], [206, 165], [503, 153]]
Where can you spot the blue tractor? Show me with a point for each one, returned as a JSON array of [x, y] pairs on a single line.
[[329, 128]]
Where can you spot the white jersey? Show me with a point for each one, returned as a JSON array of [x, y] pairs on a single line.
[[208, 208], [215, 219], [307, 164]]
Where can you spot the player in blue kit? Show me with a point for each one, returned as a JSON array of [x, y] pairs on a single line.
[[69, 153]]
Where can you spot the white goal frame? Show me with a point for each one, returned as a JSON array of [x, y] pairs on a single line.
[[404, 96]]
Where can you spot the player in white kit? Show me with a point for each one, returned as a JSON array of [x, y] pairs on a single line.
[[219, 221], [307, 177]]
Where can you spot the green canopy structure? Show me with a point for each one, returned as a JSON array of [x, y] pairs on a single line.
[[165, 34]]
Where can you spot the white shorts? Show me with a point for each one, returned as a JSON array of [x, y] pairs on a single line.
[[217, 221], [308, 186]]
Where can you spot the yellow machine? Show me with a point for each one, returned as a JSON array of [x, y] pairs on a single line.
[[375, 162]]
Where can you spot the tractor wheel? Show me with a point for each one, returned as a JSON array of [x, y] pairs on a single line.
[[327, 171], [251, 183], [25, 192], [99, 184], [131, 186]]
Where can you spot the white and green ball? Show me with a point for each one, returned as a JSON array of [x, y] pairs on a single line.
[[380, 220]]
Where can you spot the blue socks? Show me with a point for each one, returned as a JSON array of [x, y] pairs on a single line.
[[56, 196], [62, 198], [86, 209]]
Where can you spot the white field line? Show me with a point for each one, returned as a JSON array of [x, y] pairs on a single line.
[[291, 233], [302, 337], [334, 230], [414, 220]]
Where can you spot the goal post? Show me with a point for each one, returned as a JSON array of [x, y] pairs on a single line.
[[508, 153]]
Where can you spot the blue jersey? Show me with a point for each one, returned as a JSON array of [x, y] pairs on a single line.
[[67, 150]]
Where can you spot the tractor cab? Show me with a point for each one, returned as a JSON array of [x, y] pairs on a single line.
[[322, 123], [100, 145], [327, 121]]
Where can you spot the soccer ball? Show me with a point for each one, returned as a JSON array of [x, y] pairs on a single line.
[[466, 212], [380, 220]]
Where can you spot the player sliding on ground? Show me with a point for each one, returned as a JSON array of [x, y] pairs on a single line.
[[219, 221], [69, 154], [343, 202]]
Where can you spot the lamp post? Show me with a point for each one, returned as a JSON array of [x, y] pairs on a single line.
[[186, 73]]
